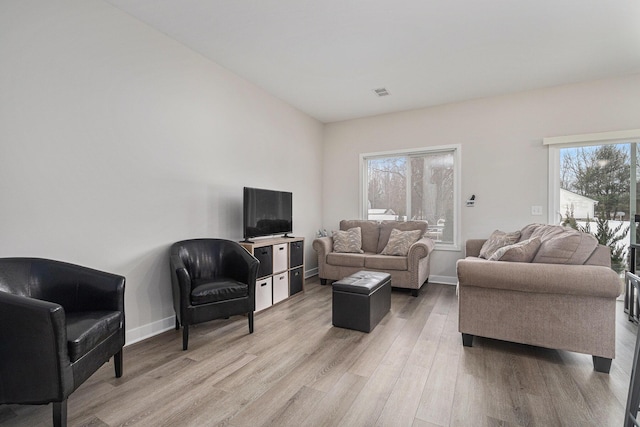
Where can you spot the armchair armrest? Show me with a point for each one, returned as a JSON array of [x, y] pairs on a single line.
[[240, 265], [588, 280], [181, 283], [33, 348]]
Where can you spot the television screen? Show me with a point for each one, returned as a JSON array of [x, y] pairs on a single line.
[[266, 212]]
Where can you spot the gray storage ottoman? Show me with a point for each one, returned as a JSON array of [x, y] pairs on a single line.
[[361, 300]]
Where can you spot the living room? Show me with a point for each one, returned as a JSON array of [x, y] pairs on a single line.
[[118, 140]]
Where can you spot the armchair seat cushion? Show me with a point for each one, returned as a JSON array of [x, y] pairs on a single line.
[[86, 329], [206, 291]]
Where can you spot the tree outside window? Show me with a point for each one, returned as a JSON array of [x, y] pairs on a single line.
[[602, 174], [417, 186]]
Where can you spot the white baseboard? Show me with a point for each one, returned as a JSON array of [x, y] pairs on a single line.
[[311, 273], [149, 330], [445, 280]]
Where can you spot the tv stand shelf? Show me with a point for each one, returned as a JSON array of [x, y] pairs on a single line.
[[281, 271]]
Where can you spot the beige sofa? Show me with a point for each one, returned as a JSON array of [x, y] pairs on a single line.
[[410, 271], [565, 298]]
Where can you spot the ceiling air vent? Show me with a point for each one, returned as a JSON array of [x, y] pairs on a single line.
[[381, 91]]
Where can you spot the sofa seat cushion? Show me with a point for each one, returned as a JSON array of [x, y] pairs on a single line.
[[86, 329], [205, 291], [345, 259], [386, 262]]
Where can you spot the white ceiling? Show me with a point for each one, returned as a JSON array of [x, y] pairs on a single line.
[[325, 57]]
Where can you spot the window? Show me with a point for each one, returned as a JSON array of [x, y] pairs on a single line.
[[418, 185], [593, 185]]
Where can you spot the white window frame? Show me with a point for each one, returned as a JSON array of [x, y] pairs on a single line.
[[457, 165], [588, 139]]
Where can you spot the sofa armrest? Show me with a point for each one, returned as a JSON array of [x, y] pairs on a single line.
[[421, 249], [473, 247], [323, 246], [584, 280]]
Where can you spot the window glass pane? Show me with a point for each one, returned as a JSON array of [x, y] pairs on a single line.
[[595, 195], [599, 176], [432, 178], [386, 188], [416, 186]]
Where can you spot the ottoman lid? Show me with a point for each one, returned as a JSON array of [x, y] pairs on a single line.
[[363, 282]]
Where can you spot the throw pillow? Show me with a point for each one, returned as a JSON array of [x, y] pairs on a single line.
[[349, 241], [523, 251], [400, 242], [497, 240]]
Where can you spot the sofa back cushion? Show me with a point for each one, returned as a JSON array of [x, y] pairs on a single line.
[[369, 232], [601, 256], [387, 226], [560, 245], [544, 231]]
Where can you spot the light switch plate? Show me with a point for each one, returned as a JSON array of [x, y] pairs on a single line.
[[536, 210]]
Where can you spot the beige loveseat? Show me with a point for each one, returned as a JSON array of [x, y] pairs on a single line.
[[410, 271], [564, 298]]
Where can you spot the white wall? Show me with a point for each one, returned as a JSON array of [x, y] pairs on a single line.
[[503, 160], [116, 141]]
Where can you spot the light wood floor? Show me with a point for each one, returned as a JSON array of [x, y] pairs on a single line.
[[298, 370]]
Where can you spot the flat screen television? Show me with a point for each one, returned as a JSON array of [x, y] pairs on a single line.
[[266, 212]]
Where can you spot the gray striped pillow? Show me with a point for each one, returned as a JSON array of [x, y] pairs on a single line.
[[349, 241]]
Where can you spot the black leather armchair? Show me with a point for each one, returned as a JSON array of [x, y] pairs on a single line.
[[59, 323], [211, 279]]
